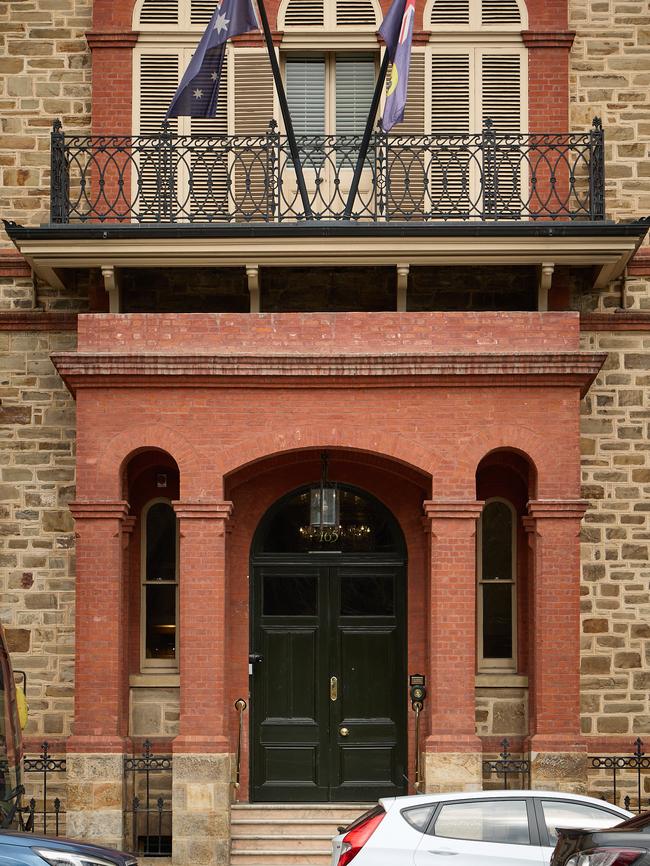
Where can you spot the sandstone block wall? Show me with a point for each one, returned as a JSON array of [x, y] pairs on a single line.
[[610, 78]]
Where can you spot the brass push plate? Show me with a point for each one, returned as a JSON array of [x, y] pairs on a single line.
[[334, 688]]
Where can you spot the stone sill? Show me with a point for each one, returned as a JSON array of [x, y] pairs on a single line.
[[153, 680], [498, 680]]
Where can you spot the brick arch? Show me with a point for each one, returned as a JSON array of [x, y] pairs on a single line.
[[196, 479], [266, 445]]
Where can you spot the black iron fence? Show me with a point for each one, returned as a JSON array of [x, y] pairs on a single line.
[[507, 771], [148, 815], [625, 779], [42, 808], [245, 178]]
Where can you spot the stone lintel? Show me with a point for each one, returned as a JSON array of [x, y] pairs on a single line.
[[99, 509], [202, 510]]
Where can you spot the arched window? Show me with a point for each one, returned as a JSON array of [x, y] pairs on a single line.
[[497, 586], [159, 583]]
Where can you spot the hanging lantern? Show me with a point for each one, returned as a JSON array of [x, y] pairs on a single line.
[[324, 500]]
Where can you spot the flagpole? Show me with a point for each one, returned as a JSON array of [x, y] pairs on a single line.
[[286, 116], [365, 141]]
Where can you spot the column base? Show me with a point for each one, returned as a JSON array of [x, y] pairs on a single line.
[[201, 809], [95, 789], [558, 764], [452, 771]]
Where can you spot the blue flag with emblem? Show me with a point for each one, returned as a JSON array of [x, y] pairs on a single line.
[[199, 89], [397, 32]]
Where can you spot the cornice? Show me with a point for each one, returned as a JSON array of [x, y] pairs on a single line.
[[12, 264], [640, 265], [37, 321], [99, 370], [548, 38], [557, 509], [452, 509], [618, 320]]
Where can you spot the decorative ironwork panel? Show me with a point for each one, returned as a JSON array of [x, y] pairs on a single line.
[[486, 176], [148, 812]]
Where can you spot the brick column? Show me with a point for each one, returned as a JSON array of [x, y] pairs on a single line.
[[558, 757], [453, 751], [202, 761], [95, 750]]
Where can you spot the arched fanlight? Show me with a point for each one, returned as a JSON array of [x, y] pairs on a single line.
[[324, 499]]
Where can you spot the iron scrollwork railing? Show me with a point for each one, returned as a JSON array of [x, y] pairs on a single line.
[[148, 812], [48, 818], [506, 768], [250, 178], [627, 774]]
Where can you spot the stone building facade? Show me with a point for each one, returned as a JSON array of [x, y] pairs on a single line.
[[87, 402]]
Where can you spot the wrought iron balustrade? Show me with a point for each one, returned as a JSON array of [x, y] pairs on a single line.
[[250, 178]]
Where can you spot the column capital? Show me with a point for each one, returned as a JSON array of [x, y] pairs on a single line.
[[188, 510], [452, 509], [557, 509], [87, 509]]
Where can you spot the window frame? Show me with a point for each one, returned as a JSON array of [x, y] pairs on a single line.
[[487, 664], [162, 666]]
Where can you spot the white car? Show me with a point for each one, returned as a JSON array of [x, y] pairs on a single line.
[[489, 828]]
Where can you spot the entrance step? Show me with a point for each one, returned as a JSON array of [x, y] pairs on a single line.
[[294, 834]]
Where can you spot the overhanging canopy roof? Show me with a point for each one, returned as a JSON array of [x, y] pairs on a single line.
[[606, 246]]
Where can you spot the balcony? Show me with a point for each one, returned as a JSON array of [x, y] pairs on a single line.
[[486, 177]]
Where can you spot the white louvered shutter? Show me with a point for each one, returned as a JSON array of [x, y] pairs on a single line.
[[207, 164], [201, 11], [498, 12], [452, 173], [450, 12], [501, 80], [355, 13], [406, 162], [253, 112], [159, 12], [158, 76], [305, 13]]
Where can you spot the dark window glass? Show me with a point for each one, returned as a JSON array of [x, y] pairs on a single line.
[[290, 595], [161, 542], [161, 621], [365, 526], [419, 817], [367, 595], [497, 620], [496, 533], [504, 821]]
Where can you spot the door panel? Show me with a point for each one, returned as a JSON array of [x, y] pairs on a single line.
[[312, 623]]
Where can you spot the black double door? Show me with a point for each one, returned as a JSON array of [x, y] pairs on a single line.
[[329, 693]]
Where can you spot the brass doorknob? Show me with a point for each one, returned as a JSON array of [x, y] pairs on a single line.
[[344, 732]]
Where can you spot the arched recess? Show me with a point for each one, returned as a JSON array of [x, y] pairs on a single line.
[[105, 475], [505, 481], [265, 446]]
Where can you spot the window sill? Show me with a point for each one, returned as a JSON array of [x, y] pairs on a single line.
[[155, 680], [501, 680]]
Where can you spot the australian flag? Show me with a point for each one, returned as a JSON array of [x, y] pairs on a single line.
[[397, 32], [198, 91]]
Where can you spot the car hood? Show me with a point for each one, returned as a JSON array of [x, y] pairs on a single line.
[[28, 840]]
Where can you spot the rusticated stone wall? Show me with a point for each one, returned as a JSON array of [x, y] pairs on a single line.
[[616, 538], [44, 74], [610, 78]]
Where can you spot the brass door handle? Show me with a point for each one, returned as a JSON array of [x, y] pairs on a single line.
[[334, 688], [344, 732]]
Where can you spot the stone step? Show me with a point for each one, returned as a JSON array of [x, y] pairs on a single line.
[[274, 857], [243, 844], [334, 814], [293, 827]]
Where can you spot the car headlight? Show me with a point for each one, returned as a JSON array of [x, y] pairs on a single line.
[[67, 858]]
